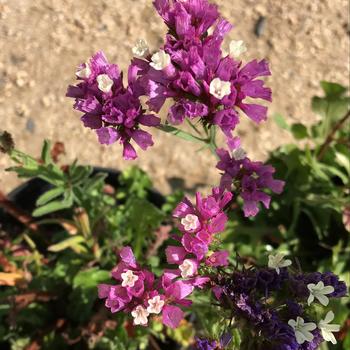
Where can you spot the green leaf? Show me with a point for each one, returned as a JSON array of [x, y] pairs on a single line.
[[281, 121], [135, 181], [49, 195], [94, 182], [46, 152], [299, 131], [180, 133], [343, 161], [90, 278], [71, 242], [333, 90], [53, 206], [142, 218]]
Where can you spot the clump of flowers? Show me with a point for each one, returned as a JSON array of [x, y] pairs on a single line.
[[277, 302], [115, 112], [248, 179], [208, 87], [193, 70]]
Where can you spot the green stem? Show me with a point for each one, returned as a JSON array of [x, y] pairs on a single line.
[[180, 133]]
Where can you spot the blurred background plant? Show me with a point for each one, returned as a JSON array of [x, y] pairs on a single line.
[[61, 231]]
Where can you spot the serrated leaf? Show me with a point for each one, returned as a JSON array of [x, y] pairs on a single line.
[[71, 242], [49, 195], [299, 131]]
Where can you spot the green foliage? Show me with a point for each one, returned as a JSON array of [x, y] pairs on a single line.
[[82, 225]]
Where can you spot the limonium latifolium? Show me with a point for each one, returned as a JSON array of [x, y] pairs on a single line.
[[208, 85], [115, 112], [193, 70]]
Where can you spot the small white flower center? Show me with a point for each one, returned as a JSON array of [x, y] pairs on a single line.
[[155, 305], [84, 73], [141, 48], [187, 268], [219, 88], [237, 48], [190, 222], [140, 315], [160, 60], [239, 154], [129, 279], [104, 82]]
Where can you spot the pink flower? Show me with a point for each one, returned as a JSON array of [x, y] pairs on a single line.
[[219, 258]]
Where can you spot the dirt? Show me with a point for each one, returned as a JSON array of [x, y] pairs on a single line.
[[42, 41]]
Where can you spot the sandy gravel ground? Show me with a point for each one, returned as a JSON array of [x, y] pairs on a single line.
[[42, 41]]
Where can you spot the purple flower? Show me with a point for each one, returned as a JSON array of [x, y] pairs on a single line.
[[251, 179], [113, 111], [298, 284], [202, 82], [205, 344]]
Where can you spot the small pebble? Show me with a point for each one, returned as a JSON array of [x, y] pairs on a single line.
[[260, 26], [30, 125]]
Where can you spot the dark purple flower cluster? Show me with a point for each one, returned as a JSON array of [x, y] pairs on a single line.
[[265, 301], [115, 112], [206, 344], [299, 282], [249, 179]]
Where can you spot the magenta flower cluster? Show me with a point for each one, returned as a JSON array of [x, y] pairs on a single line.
[[192, 70], [142, 295], [113, 111], [248, 179]]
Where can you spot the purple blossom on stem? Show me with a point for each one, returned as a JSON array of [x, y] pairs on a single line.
[[203, 83], [249, 179], [113, 111], [140, 294]]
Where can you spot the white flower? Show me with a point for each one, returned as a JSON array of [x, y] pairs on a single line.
[[302, 329], [328, 329], [187, 268], [160, 60], [319, 292], [155, 305], [141, 48], [277, 261], [105, 83], [239, 154], [129, 279], [190, 222], [140, 315], [237, 48], [219, 88], [85, 72]]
